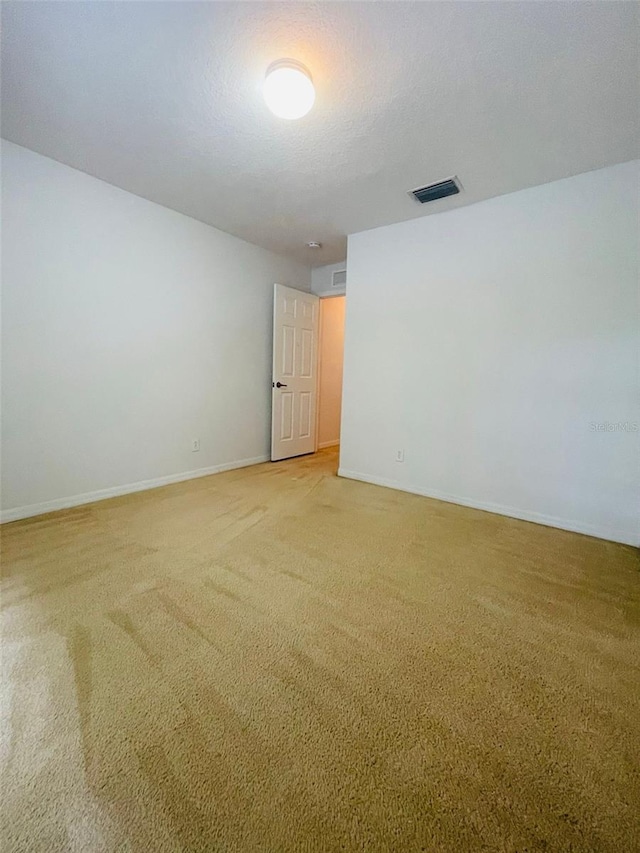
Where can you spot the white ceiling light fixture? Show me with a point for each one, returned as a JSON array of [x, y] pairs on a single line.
[[313, 244], [288, 89]]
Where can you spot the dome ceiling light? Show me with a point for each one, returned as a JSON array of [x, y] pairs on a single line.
[[288, 89]]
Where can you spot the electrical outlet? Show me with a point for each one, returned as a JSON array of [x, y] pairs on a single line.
[[195, 445], [399, 455]]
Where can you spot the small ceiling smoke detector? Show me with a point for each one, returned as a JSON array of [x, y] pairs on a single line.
[[288, 89], [314, 245]]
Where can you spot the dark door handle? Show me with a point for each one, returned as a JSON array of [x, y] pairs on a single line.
[[280, 385]]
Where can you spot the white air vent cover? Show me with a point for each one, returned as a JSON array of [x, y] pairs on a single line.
[[339, 278]]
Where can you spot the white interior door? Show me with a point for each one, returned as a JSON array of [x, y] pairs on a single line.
[[295, 361]]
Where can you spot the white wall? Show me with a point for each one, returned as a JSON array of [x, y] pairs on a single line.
[[330, 362], [487, 343], [322, 280], [128, 330]]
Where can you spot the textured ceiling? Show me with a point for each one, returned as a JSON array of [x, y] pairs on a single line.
[[164, 100]]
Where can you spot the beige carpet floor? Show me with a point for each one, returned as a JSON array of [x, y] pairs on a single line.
[[275, 659]]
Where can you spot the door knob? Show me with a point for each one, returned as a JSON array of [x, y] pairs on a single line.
[[280, 385]]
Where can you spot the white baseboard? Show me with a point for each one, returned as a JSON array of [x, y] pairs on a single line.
[[626, 537], [116, 491], [324, 444]]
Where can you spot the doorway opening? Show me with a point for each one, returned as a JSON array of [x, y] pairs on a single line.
[[306, 387], [330, 363]]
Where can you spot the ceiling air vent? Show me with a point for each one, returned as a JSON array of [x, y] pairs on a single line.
[[441, 189], [339, 278]]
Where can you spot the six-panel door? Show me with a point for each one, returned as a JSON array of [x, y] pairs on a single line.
[[294, 391]]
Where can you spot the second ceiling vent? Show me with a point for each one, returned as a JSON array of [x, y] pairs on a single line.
[[432, 192]]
